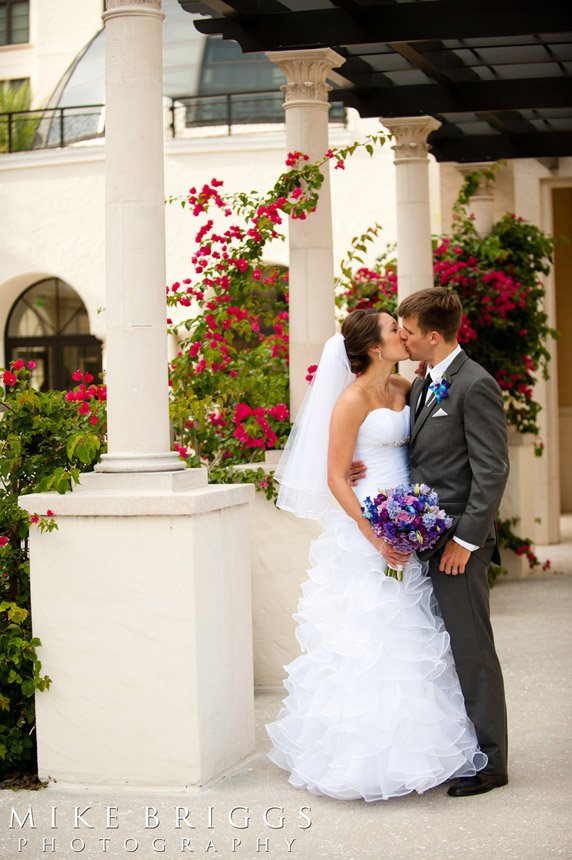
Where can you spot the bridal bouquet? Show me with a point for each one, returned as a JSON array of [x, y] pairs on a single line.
[[408, 517]]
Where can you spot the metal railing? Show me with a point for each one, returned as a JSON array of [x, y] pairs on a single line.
[[63, 126], [50, 127]]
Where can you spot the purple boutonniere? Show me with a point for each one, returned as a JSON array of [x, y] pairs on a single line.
[[440, 389]]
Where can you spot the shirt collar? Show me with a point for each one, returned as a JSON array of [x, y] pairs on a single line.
[[439, 369]]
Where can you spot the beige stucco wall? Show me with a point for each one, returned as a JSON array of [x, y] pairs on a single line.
[[52, 207], [562, 214], [58, 31]]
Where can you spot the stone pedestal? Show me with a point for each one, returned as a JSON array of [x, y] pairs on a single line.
[[279, 548], [311, 282], [516, 498], [142, 599], [142, 602]]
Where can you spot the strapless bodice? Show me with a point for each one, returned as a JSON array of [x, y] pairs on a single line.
[[382, 444]]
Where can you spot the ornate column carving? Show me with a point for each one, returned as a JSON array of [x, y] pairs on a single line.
[[411, 135], [312, 309], [306, 73]]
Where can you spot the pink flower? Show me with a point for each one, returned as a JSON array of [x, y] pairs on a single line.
[[34, 519], [241, 412], [9, 378], [93, 419], [31, 365], [77, 376], [18, 364], [88, 378], [3, 541], [279, 412], [50, 513], [311, 371], [84, 409]]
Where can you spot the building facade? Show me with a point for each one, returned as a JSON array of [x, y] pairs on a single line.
[[52, 255]]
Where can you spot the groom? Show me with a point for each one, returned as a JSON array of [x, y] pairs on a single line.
[[459, 448]]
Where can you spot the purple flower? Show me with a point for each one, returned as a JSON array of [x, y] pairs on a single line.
[[407, 516]]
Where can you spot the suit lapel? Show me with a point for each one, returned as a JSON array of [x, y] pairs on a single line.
[[415, 395], [454, 367]]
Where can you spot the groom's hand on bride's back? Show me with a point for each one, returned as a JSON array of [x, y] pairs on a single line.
[[356, 472]]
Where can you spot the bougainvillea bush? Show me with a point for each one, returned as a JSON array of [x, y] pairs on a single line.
[[504, 325], [46, 440], [498, 278], [229, 380]]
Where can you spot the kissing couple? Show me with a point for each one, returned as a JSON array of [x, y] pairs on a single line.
[[398, 687]]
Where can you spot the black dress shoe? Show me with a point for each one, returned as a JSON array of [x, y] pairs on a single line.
[[478, 784]]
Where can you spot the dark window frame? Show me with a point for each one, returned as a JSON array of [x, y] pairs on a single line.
[[8, 5], [54, 344]]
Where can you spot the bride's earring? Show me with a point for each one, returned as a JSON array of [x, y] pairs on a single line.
[[379, 355]]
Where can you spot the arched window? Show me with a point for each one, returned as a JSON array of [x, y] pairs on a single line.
[[49, 325]]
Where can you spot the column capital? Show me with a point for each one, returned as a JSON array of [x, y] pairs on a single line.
[[486, 187], [306, 72], [118, 8], [410, 134]]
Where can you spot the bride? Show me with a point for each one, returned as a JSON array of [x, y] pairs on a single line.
[[374, 707]]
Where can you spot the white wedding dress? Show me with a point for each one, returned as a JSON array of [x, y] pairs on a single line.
[[374, 707]]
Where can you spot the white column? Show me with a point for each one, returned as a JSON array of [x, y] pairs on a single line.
[[142, 598], [483, 200], [311, 285], [138, 414], [414, 257]]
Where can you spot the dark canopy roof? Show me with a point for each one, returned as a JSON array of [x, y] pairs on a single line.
[[496, 73]]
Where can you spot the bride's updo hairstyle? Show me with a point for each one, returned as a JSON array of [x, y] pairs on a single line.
[[361, 331]]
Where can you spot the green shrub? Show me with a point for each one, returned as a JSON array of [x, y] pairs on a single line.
[[46, 440]]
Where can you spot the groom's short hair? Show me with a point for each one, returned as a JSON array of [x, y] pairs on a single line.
[[436, 309]]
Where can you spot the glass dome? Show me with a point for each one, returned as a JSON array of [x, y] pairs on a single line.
[[199, 75]]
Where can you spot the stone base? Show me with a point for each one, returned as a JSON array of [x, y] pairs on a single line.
[[515, 565], [142, 602], [279, 547]]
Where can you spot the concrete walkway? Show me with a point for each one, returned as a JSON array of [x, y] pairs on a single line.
[[527, 820]]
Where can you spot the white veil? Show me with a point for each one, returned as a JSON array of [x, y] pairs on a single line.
[[303, 468]]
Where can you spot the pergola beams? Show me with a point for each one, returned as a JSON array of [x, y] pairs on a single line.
[[463, 63], [440, 19], [371, 99]]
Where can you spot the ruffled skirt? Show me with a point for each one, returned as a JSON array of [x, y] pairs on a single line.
[[374, 707]]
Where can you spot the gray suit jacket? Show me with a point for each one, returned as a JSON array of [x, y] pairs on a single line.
[[463, 454]]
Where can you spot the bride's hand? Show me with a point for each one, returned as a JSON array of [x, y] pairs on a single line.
[[392, 557], [421, 369]]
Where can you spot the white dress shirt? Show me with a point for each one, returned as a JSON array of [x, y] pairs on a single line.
[[436, 373]]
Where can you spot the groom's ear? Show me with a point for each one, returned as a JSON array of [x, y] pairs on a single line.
[[435, 338]]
